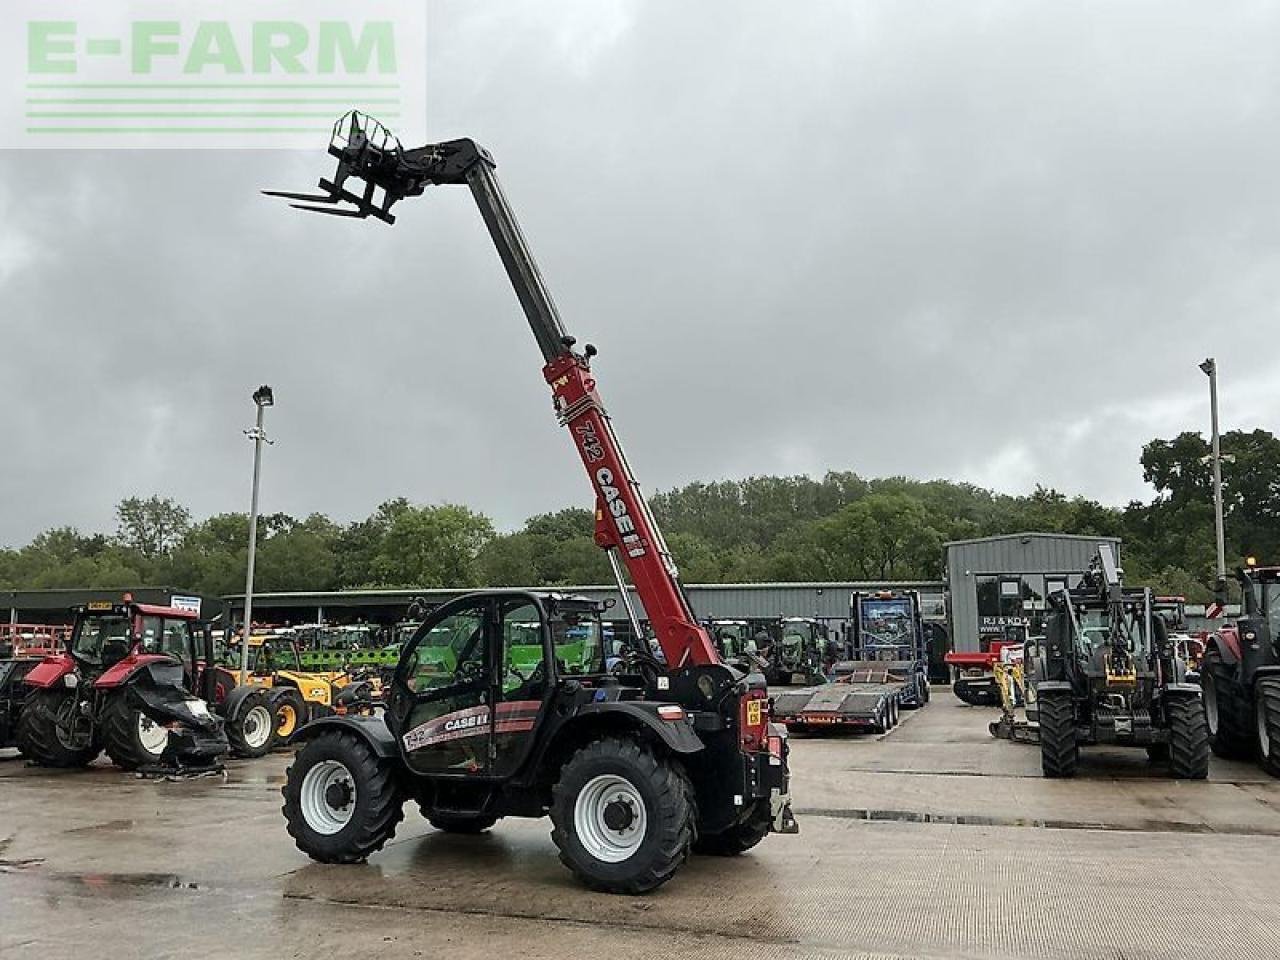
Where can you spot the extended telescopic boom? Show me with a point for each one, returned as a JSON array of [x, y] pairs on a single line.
[[625, 526]]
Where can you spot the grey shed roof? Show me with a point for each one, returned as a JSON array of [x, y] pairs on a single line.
[[1028, 535]]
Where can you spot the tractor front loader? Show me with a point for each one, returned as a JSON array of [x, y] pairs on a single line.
[[1107, 672]]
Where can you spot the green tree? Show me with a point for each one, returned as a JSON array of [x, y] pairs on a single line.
[[152, 527], [436, 546]]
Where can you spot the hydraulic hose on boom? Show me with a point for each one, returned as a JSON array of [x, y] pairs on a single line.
[[625, 526]]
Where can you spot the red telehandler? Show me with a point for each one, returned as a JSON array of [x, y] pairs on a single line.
[[501, 704]]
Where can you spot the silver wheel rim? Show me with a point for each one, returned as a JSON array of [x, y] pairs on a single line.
[[151, 736], [1264, 735], [323, 812], [256, 727], [1209, 694], [601, 841]]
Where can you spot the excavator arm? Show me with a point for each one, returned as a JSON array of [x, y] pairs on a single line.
[[625, 526]]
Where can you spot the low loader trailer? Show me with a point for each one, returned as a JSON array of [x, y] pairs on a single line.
[[867, 699]]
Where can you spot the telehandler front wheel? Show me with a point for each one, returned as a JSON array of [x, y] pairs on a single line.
[[341, 802], [623, 816]]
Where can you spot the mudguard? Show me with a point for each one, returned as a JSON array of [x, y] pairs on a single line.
[[372, 729], [234, 702], [168, 704], [123, 671], [1055, 686], [1227, 642], [678, 736], [50, 671]]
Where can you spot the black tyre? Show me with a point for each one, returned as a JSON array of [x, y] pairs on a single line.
[[44, 741], [1225, 711], [341, 802], [1158, 752], [623, 817], [130, 737], [252, 731], [1266, 703], [925, 693], [290, 713], [457, 823], [739, 838], [1059, 750], [1188, 739]]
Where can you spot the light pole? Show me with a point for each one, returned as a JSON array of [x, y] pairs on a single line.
[[262, 398], [1210, 368]]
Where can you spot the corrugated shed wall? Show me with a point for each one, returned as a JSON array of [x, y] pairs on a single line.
[[1016, 554]]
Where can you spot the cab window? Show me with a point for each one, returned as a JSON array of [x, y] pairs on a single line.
[[450, 652]]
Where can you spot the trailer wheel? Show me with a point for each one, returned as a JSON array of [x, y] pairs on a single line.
[[623, 816], [341, 802], [42, 740], [1224, 709], [1266, 702], [1188, 739], [252, 731], [130, 737], [739, 838], [458, 823], [1059, 750]]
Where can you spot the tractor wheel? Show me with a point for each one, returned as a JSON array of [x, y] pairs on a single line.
[[739, 838], [1188, 739], [130, 737], [1158, 752], [41, 739], [252, 731], [1224, 709], [290, 713], [458, 823], [341, 802], [623, 817], [1266, 703], [1059, 751]]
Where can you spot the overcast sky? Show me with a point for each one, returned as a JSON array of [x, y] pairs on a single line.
[[983, 241]]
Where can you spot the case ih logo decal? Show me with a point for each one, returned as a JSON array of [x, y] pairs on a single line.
[[621, 515], [517, 716]]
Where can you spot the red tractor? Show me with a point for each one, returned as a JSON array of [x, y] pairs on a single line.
[[124, 683], [1240, 674]]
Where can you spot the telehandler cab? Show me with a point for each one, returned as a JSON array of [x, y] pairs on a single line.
[[636, 767]]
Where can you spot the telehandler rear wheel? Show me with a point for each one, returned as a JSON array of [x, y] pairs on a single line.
[[290, 713], [1188, 740], [341, 802], [623, 816], [1266, 706], [1059, 749]]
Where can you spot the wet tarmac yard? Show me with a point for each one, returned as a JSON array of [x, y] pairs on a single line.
[[932, 841]]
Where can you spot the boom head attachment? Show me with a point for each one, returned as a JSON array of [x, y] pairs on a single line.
[[367, 151]]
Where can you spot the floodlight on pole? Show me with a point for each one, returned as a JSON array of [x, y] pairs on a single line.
[[263, 397]]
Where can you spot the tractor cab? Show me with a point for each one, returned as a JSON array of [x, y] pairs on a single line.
[[1112, 647], [110, 640], [733, 638], [479, 675]]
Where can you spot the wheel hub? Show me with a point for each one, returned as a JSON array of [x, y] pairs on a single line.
[[619, 814], [338, 795]]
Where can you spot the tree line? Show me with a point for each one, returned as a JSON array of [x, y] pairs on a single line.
[[839, 527]]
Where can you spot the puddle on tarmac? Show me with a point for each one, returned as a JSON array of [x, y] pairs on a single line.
[[983, 820], [128, 881], [109, 826]]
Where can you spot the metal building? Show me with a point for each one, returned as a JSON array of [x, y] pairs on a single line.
[[746, 601], [1001, 582]]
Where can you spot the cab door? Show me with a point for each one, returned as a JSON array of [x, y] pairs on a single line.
[[441, 702], [524, 680]]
